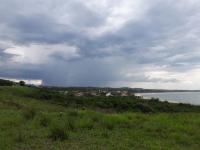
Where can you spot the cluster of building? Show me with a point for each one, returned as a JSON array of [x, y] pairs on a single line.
[[98, 93]]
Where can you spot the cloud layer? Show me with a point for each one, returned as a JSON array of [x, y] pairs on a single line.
[[140, 43]]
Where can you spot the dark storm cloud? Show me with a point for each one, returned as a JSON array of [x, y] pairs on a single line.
[[107, 41]]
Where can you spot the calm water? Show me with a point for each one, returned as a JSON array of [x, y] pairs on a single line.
[[182, 97]]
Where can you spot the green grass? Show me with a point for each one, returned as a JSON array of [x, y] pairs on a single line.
[[33, 124]]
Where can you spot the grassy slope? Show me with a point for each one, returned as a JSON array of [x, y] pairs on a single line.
[[27, 123]]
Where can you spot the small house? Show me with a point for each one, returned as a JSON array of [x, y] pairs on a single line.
[[109, 94]]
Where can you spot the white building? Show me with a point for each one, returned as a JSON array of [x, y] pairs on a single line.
[[109, 94]]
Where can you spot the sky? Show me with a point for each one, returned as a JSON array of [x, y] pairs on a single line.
[[115, 43]]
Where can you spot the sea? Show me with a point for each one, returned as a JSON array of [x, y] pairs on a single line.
[[175, 97]]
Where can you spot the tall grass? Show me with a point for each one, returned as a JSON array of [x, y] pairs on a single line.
[[39, 124]]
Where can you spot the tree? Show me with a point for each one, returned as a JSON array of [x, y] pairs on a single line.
[[22, 83], [6, 82]]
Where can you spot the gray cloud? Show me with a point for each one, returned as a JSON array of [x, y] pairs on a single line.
[[5, 57], [108, 43]]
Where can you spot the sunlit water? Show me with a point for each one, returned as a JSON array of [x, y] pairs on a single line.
[[178, 97]]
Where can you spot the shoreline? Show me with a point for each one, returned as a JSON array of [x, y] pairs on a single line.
[[154, 95]]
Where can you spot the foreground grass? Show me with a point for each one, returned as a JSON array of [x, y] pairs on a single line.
[[27, 123]]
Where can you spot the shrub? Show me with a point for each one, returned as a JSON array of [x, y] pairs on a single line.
[[105, 134], [108, 123], [145, 108], [59, 133], [22, 83], [95, 118], [20, 137], [86, 123], [71, 123], [29, 113], [73, 113], [109, 126], [44, 121], [6, 82], [154, 99]]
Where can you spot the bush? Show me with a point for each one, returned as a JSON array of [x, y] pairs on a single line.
[[29, 113], [145, 108], [6, 82], [22, 83], [20, 137], [108, 123], [71, 123], [73, 113], [95, 118], [86, 123], [44, 121], [105, 134], [59, 133]]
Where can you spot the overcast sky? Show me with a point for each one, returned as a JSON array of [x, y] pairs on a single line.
[[135, 43]]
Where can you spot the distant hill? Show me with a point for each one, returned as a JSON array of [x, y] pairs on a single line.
[[6, 82]]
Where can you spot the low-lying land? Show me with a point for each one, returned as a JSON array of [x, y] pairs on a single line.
[[40, 119]]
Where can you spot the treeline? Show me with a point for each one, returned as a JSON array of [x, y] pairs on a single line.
[[11, 83], [6, 82]]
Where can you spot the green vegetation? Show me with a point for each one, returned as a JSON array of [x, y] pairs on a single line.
[[22, 83], [38, 119], [113, 104], [11, 83], [6, 82]]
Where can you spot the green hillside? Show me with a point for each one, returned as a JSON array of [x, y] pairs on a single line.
[[38, 119]]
